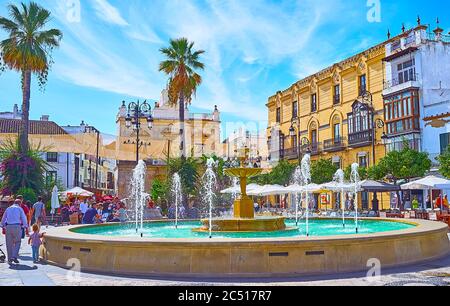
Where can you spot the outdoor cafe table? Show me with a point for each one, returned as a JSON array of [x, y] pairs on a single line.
[[422, 215]]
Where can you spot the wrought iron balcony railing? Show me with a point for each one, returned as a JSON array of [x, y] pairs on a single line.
[[397, 81], [335, 145], [360, 139]]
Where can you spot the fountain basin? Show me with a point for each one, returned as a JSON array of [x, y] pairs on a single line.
[[265, 224], [244, 257]]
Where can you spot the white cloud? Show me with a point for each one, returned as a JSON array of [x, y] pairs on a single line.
[[244, 41], [105, 11]]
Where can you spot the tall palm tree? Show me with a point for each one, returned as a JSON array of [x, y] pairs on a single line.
[[180, 65], [28, 51]]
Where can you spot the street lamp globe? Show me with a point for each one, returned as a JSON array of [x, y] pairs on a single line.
[[150, 121], [292, 131]]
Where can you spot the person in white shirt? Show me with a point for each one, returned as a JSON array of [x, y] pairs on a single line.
[[14, 221], [83, 207]]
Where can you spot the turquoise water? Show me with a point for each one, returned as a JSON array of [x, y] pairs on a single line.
[[318, 228]]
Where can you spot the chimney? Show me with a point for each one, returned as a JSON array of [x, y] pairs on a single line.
[[15, 110], [45, 118]]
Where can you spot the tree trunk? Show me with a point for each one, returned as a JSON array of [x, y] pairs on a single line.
[[24, 127], [182, 131]]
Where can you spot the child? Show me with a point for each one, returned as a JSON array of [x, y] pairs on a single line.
[[35, 241]]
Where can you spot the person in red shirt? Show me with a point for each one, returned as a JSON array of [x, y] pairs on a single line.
[[25, 208]]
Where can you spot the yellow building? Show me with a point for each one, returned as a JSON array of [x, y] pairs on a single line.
[[335, 114]]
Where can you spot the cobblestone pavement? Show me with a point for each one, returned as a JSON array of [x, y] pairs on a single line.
[[28, 274]]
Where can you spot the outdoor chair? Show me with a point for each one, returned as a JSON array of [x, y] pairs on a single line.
[[373, 214]]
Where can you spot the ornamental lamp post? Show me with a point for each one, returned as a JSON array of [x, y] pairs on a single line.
[[136, 112], [293, 133]]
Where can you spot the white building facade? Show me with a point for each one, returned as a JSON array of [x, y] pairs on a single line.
[[417, 91]]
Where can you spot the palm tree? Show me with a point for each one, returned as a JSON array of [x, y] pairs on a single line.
[[180, 65], [28, 51]]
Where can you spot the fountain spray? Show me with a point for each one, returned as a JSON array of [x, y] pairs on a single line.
[[138, 194], [306, 173], [209, 183], [176, 191], [297, 179], [339, 178], [355, 179]]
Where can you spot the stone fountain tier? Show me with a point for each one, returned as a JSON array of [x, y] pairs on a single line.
[[244, 211], [262, 224]]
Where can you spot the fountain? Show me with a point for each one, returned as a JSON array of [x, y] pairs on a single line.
[[235, 185], [209, 185], [339, 178], [244, 212], [297, 179], [355, 179], [177, 195], [306, 174], [243, 246], [138, 194]]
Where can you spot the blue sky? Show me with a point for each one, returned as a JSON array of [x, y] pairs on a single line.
[[253, 49]]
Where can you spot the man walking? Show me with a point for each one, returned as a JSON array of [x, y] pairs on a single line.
[[38, 212], [14, 221]]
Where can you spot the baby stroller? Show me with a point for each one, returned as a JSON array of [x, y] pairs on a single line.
[[2, 255]]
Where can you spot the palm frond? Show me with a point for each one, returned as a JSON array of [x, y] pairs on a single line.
[[180, 65]]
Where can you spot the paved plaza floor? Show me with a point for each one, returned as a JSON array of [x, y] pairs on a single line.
[[435, 273]]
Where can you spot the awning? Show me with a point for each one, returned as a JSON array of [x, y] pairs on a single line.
[[377, 186], [429, 182]]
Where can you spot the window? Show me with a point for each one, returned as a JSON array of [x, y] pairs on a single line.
[[337, 133], [52, 157], [445, 142], [359, 120], [281, 141], [406, 71], [362, 84], [314, 103], [295, 110], [337, 94], [313, 137], [294, 141], [278, 115], [363, 161], [402, 112]]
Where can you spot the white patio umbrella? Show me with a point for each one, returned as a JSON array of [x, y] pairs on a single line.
[[297, 189], [237, 189], [77, 191], [429, 182], [338, 187], [267, 190], [54, 201]]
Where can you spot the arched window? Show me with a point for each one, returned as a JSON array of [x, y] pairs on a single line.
[[313, 133], [336, 123]]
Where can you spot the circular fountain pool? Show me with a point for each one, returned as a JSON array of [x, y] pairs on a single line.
[[318, 227], [165, 251]]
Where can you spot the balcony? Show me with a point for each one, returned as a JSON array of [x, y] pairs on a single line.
[[291, 153], [335, 145], [395, 85], [314, 148], [360, 139], [396, 81]]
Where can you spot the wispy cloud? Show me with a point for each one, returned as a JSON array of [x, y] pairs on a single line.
[[105, 11]]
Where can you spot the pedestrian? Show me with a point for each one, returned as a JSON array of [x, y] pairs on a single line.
[[35, 242], [14, 222], [83, 208], [91, 215], [428, 202], [39, 212]]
